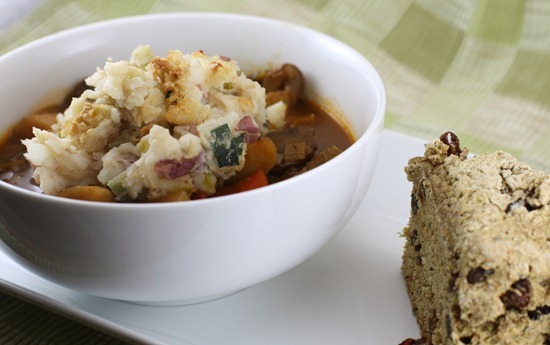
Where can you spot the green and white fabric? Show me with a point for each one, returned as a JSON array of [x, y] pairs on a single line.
[[477, 67]]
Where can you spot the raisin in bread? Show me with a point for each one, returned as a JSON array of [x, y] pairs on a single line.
[[477, 255]]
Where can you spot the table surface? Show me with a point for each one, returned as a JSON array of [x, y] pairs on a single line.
[[478, 68]]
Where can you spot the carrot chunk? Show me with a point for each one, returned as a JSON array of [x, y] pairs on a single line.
[[256, 180], [260, 155]]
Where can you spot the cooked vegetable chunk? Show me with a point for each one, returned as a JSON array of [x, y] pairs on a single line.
[[174, 128], [294, 145], [90, 193]]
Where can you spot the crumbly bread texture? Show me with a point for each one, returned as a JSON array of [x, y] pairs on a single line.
[[477, 255]]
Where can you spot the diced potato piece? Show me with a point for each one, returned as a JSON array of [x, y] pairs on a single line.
[[173, 197], [23, 129], [4, 138], [89, 193], [260, 155]]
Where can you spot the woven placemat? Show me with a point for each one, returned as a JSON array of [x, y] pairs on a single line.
[[24, 323], [476, 67]]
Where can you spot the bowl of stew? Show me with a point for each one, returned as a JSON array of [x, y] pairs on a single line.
[[176, 158]]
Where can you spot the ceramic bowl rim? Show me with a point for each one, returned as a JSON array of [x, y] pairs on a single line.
[[374, 125]]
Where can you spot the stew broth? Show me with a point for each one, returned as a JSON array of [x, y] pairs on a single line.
[[301, 113]]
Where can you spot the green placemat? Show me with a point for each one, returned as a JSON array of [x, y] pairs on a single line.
[[23, 323], [476, 67]]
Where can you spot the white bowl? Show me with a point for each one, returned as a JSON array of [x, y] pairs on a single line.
[[179, 253]]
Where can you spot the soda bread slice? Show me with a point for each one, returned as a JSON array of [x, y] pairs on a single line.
[[477, 256]]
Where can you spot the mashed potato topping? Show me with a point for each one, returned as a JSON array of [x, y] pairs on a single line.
[[152, 126]]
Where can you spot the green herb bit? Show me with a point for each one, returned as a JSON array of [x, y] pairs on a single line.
[[227, 149]]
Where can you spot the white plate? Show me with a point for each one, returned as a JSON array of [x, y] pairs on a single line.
[[350, 292]]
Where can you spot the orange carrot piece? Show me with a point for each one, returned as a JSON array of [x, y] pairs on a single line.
[[256, 180], [261, 154], [198, 195]]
